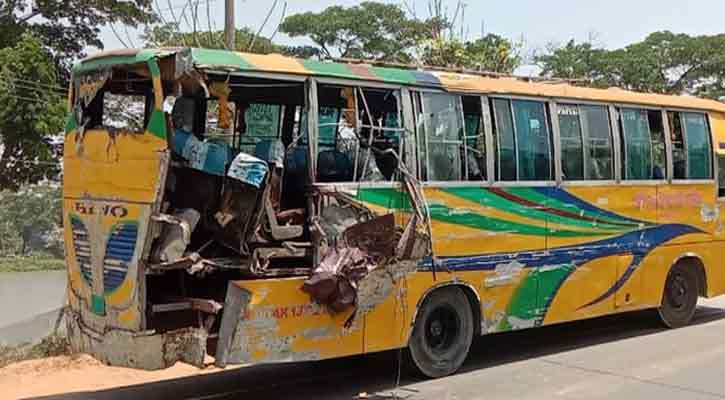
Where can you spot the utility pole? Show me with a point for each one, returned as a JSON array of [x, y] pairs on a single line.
[[229, 31], [229, 36]]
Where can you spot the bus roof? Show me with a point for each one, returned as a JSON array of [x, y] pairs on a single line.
[[223, 60]]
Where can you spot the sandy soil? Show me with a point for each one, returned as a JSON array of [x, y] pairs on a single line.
[[66, 374]]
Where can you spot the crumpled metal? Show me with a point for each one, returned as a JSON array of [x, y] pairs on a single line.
[[363, 248]]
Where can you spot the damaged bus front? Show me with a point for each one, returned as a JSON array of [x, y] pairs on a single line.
[[211, 209]]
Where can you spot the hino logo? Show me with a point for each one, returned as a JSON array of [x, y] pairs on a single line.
[[117, 211]]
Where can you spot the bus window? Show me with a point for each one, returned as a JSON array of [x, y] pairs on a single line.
[[125, 112], [691, 148], [504, 137], [586, 142], [572, 148], [262, 126], [532, 140], [444, 137], [474, 140], [643, 144], [721, 175], [359, 134]]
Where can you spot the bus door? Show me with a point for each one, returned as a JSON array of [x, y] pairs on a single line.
[[583, 228]]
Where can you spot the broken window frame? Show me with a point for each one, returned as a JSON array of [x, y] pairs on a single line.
[[462, 160], [150, 97], [358, 90]]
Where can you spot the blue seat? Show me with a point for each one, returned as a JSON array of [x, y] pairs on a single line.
[[334, 166]]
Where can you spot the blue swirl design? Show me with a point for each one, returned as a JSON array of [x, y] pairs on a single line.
[[82, 248], [119, 253]]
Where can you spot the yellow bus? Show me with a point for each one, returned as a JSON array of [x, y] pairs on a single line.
[[263, 209]]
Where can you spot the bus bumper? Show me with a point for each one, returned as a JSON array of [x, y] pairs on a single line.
[[141, 350]]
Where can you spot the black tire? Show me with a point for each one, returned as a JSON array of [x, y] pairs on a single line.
[[442, 334], [679, 299]]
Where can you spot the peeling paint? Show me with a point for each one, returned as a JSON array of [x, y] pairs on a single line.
[[146, 350], [318, 333], [505, 274], [709, 213]]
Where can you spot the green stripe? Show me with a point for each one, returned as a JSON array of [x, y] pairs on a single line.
[[394, 200], [536, 197], [487, 198], [395, 75], [154, 67], [329, 69], [109, 61], [157, 124], [70, 123], [220, 58]]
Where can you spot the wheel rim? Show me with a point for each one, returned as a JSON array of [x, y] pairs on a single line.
[[442, 329], [678, 289]]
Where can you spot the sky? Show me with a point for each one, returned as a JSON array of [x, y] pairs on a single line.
[[612, 23]]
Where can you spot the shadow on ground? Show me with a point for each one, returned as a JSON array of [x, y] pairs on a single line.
[[377, 374]]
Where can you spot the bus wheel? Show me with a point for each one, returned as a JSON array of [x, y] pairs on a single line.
[[443, 333], [680, 297]]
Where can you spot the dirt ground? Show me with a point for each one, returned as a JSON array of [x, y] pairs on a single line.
[[67, 374]]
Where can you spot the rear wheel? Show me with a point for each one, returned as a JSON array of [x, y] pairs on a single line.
[[680, 297], [443, 333]]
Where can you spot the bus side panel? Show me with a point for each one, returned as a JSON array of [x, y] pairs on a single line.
[[693, 205], [275, 321]]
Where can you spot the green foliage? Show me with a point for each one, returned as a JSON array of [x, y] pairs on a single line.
[[170, 35], [67, 27], [491, 53], [370, 30], [31, 115], [30, 264], [30, 221], [663, 63]]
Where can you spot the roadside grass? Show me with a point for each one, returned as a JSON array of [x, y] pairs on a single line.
[[31, 263], [51, 346]]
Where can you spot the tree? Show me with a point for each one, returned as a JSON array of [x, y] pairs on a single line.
[[370, 30], [30, 219], [31, 115], [170, 35], [70, 26], [662, 63], [491, 53]]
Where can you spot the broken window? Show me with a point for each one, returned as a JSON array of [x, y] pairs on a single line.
[[643, 144], [116, 100], [440, 154], [359, 134], [691, 148]]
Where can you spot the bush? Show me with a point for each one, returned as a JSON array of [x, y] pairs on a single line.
[[33, 263]]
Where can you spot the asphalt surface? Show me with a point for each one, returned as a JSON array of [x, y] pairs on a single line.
[[24, 295], [625, 357]]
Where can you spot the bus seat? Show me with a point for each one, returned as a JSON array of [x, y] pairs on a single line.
[[271, 151], [295, 178], [334, 166]]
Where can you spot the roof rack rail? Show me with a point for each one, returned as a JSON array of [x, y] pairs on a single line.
[[459, 70]]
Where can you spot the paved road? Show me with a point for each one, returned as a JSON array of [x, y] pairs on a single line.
[[29, 305], [26, 294], [622, 357]]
